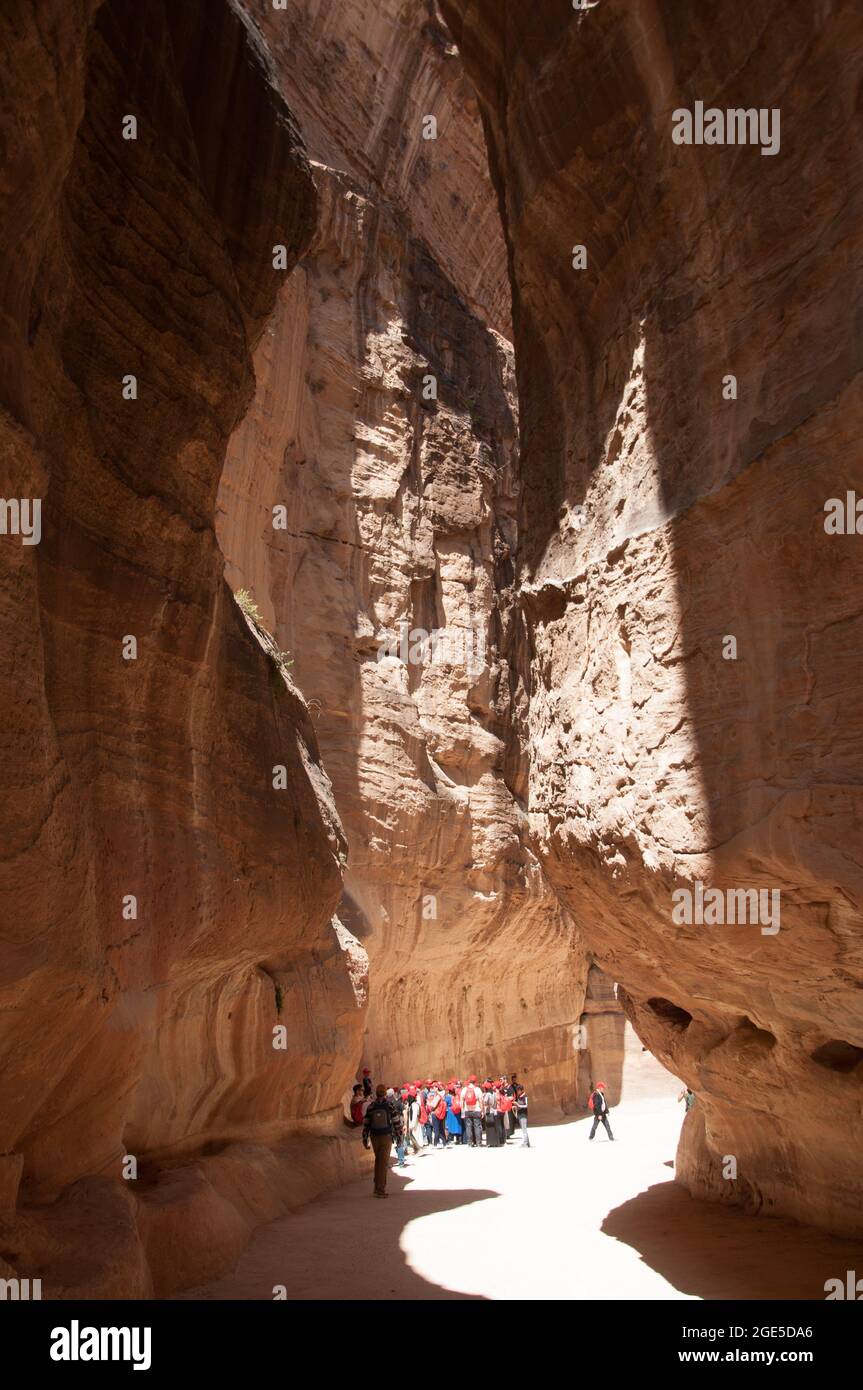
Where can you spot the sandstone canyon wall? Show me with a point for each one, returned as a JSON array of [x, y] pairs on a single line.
[[149, 1032], [661, 514], [400, 516]]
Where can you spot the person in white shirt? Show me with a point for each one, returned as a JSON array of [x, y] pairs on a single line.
[[471, 1112]]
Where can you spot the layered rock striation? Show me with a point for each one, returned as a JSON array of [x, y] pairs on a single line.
[[171, 847], [686, 321]]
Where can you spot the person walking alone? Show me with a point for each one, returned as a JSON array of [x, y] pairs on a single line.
[[471, 1113], [599, 1106], [381, 1127]]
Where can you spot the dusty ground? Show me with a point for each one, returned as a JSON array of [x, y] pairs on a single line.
[[563, 1220]]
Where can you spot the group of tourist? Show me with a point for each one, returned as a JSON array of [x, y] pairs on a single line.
[[434, 1114]]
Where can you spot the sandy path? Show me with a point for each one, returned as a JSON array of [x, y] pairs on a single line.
[[563, 1220]]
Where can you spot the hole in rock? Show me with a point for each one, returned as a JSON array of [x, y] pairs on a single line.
[[837, 1055], [670, 1013], [751, 1035]]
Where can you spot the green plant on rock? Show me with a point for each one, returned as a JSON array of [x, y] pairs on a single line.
[[250, 608]]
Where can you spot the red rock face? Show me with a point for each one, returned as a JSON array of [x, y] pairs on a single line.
[[400, 518], [148, 1031], [661, 516]]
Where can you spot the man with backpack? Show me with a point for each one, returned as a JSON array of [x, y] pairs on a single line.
[[599, 1105], [471, 1113], [382, 1125]]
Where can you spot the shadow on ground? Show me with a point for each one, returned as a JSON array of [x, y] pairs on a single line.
[[344, 1246], [714, 1251]]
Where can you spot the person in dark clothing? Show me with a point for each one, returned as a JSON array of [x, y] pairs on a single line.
[[382, 1125], [599, 1106], [398, 1108], [493, 1128], [521, 1113], [367, 1082]]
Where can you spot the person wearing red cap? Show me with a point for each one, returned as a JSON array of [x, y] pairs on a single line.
[[454, 1126], [504, 1108], [425, 1117], [493, 1135], [471, 1113], [599, 1106], [436, 1105]]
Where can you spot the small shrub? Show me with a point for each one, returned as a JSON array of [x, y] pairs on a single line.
[[249, 607]]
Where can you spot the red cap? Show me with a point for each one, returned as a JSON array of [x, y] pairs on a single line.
[[472, 1079], [366, 1071], [600, 1085]]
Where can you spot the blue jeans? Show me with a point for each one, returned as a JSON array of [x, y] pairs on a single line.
[[400, 1150], [522, 1120]]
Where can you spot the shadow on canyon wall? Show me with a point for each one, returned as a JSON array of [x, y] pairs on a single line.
[[702, 521]]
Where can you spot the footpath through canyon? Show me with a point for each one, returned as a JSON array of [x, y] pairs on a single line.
[[432, 607]]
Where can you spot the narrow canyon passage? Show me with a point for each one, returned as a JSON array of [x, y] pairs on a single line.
[[564, 1219], [430, 645]]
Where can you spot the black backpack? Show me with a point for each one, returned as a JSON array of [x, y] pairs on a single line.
[[379, 1117]]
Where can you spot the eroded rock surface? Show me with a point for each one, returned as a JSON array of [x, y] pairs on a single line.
[[659, 515], [148, 1033], [400, 517]]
